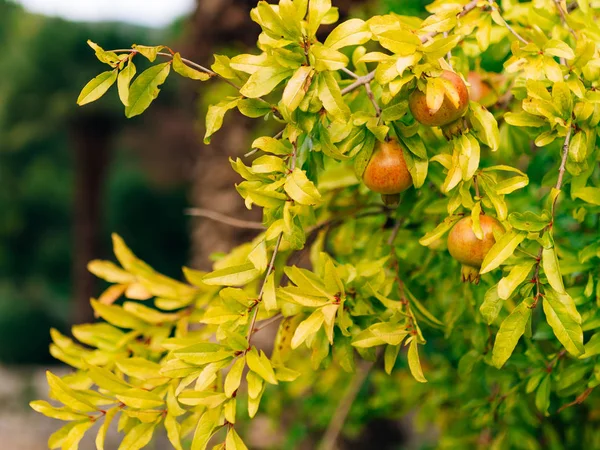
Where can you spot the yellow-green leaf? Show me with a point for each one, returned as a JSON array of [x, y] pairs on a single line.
[[145, 88], [414, 364], [186, 71], [502, 250], [511, 330], [97, 87]]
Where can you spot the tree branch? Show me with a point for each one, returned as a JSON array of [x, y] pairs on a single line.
[[222, 218], [339, 417], [563, 17]]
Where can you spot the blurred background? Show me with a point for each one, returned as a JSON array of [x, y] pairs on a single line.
[[70, 176]]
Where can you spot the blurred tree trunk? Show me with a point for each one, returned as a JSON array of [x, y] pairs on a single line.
[[217, 24], [91, 137]]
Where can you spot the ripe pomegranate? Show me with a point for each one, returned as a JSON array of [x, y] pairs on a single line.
[[467, 249], [481, 90], [448, 111], [386, 172]]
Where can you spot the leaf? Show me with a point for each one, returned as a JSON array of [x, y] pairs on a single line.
[[234, 377], [173, 431], [552, 269], [138, 437], [510, 185], [327, 58], [331, 96], [263, 81], [517, 275], [75, 435], [511, 330], [542, 396], [97, 87], [502, 250], [140, 399], [413, 362], [232, 276], [475, 220], [528, 221], [123, 81], [108, 418], [205, 428], [259, 363], [53, 412], [296, 88], [560, 316], [578, 147], [301, 189], [559, 49], [63, 393], [271, 145], [350, 32], [307, 327], [186, 71], [145, 88], [439, 231], [435, 94], [110, 272], [523, 119], [254, 108], [149, 52], [317, 10], [491, 306], [216, 114], [233, 441], [269, 297]]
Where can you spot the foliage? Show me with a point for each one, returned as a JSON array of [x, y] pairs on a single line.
[[503, 359]]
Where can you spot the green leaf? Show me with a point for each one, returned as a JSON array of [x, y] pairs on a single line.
[[317, 10], [502, 250], [578, 147], [263, 81], [296, 88], [301, 189], [76, 434], [53, 412], [97, 87], [138, 437], [234, 377], [108, 418], [559, 49], [439, 231], [562, 316], [203, 353], [350, 32], [259, 363], [511, 330], [232, 276], [145, 88], [542, 396], [173, 431], [110, 58], [326, 58], [523, 119], [123, 81], [253, 107], [528, 221], [517, 275], [215, 115], [552, 269], [512, 184], [186, 71], [140, 399], [234, 441], [308, 327], [269, 298], [491, 306], [414, 363], [149, 52], [205, 428], [331, 96]]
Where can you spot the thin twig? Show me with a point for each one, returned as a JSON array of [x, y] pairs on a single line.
[[270, 269], [254, 150], [508, 27], [222, 218], [349, 72], [359, 82], [339, 417], [372, 98], [563, 162], [268, 322], [563, 17]]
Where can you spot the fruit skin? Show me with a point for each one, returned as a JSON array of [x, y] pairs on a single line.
[[386, 172], [481, 90], [417, 102], [464, 246]]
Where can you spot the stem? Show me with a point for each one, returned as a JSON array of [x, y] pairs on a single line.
[[270, 269], [222, 218], [339, 417], [205, 70], [359, 82], [563, 17], [350, 73], [563, 162], [268, 322], [508, 27], [372, 98]]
